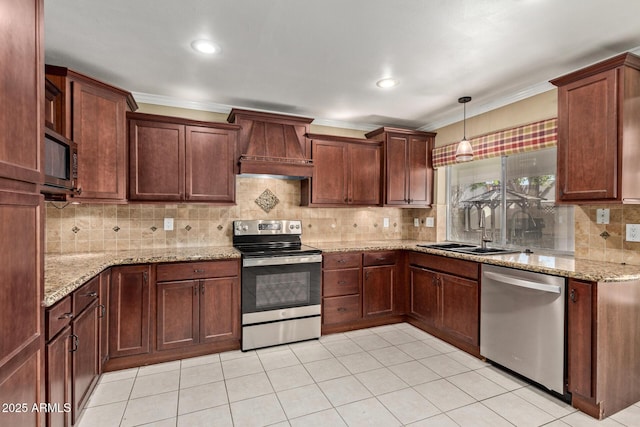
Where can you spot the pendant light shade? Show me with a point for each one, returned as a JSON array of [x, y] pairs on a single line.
[[464, 151]]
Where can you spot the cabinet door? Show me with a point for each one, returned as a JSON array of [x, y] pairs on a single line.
[[58, 382], [210, 156], [22, 385], [587, 121], [129, 308], [424, 295], [396, 152], [22, 90], [364, 174], [99, 130], [177, 314], [377, 290], [103, 315], [156, 160], [84, 357], [460, 309], [329, 182], [420, 171], [579, 338], [219, 309]]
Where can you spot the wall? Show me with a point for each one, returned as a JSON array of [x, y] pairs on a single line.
[[100, 227], [96, 227]]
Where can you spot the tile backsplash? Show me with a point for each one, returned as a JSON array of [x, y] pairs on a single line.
[[100, 227]]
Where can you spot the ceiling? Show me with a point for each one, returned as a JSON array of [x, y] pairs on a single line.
[[322, 58]]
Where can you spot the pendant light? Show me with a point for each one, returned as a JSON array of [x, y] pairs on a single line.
[[464, 151]]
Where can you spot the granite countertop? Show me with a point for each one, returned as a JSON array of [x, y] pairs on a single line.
[[65, 273], [539, 261]]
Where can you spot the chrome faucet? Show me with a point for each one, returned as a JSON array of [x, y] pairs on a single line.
[[484, 238]]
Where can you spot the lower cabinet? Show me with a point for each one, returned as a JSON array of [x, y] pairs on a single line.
[[379, 281], [200, 304], [84, 357], [58, 383], [129, 311], [341, 288], [444, 298]]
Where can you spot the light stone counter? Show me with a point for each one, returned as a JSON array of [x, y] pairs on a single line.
[[65, 273], [538, 261]]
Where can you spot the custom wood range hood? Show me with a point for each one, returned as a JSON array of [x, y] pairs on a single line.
[[273, 144]]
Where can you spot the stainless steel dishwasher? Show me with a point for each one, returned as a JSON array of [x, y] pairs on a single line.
[[522, 323]]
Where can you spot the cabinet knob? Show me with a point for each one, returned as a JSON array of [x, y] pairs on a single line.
[[572, 295], [91, 294], [346, 200], [198, 271], [341, 261]]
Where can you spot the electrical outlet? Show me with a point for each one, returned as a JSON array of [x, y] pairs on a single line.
[[602, 216], [168, 224], [633, 233], [416, 222], [430, 222], [385, 222]]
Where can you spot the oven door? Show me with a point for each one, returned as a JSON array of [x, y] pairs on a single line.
[[272, 284]]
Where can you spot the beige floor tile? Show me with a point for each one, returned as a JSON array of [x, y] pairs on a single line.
[[443, 365], [477, 415], [371, 341], [517, 411], [390, 356], [329, 417], [414, 373], [158, 368], [202, 397], [103, 416], [248, 386], [200, 374], [219, 417], [278, 359], [501, 378], [150, 408], [381, 381], [323, 370], [111, 392], [444, 395], [289, 377], [341, 391], [629, 416], [238, 367], [369, 412], [119, 375], [476, 386], [303, 401], [156, 383], [397, 337], [310, 352], [343, 347], [201, 360], [259, 411], [441, 420], [408, 405], [359, 362], [545, 401], [418, 349]]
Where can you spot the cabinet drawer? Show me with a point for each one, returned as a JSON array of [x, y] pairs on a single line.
[[85, 295], [196, 270], [342, 260], [341, 309], [457, 267], [58, 317], [340, 282], [380, 258]]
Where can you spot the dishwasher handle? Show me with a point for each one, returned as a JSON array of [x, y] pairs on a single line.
[[510, 280]]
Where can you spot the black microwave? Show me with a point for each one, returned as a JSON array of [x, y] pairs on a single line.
[[60, 164]]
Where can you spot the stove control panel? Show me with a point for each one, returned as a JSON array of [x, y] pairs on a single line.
[[266, 226]]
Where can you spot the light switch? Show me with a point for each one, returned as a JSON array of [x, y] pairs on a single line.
[[385, 222], [416, 222], [168, 224]]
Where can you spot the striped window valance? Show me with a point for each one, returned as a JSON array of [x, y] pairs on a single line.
[[532, 136]]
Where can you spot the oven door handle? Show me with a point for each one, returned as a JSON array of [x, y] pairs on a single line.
[[281, 260], [509, 280]]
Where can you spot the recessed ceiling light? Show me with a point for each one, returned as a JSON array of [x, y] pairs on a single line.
[[205, 46], [387, 83]]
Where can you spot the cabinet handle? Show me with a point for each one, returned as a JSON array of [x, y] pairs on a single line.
[[346, 200], [572, 295], [145, 277], [341, 261], [342, 282], [91, 295], [103, 311], [202, 289], [366, 275], [77, 190], [198, 271], [66, 316], [76, 343], [342, 309], [350, 200]]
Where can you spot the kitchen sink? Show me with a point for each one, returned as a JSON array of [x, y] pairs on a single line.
[[469, 249]]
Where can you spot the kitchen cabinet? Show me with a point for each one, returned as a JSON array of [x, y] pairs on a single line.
[[379, 281], [598, 113], [174, 159], [347, 171], [103, 304], [58, 362], [602, 345], [444, 298], [197, 303], [22, 350], [129, 311], [92, 114], [341, 288], [408, 167]]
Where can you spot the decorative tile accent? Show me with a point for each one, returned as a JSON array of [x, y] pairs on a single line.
[[75, 229], [188, 228], [154, 228], [116, 228], [605, 235], [219, 227], [267, 200]]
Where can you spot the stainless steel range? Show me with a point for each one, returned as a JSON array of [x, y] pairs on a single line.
[[281, 283]]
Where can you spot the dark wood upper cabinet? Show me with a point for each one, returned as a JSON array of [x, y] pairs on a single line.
[[93, 116], [172, 159], [598, 132], [21, 90], [347, 171], [408, 167]]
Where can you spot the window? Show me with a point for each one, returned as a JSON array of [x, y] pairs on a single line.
[[516, 195]]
